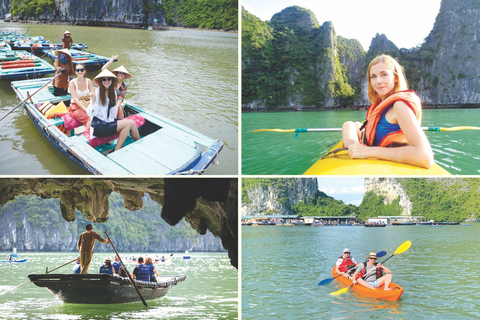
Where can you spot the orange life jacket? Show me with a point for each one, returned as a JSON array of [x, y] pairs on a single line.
[[378, 271], [374, 113], [346, 264]]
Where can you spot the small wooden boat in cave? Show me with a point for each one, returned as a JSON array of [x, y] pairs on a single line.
[[102, 288]]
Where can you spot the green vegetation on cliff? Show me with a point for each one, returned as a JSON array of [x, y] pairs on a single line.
[[205, 14], [26, 8]]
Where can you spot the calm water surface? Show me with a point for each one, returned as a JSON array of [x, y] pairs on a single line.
[[280, 153], [282, 266], [209, 292], [189, 76]]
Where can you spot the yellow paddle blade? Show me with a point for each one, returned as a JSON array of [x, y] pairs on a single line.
[[339, 292], [274, 130], [403, 247], [459, 128]]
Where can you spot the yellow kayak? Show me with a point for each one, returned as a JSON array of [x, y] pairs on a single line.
[[341, 164]]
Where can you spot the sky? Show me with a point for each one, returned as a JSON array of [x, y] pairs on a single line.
[[349, 190], [406, 23]]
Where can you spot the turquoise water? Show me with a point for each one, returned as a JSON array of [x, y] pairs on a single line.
[[282, 266], [209, 292], [269, 153], [188, 76]]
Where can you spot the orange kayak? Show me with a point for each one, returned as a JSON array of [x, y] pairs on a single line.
[[378, 293]]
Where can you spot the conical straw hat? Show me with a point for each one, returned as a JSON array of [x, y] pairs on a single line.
[[122, 69], [66, 51], [105, 74]]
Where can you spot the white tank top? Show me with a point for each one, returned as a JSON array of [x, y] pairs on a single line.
[[81, 93]]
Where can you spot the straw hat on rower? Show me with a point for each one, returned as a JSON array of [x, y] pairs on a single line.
[[67, 32], [57, 53], [122, 69], [105, 74]]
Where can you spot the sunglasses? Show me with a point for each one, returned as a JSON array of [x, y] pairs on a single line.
[[121, 73], [372, 258], [347, 252], [79, 70], [106, 79]]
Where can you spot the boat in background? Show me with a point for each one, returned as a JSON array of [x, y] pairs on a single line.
[[164, 148], [21, 65], [38, 46], [14, 260], [102, 288], [91, 60]]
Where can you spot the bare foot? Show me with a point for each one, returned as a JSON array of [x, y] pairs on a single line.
[[387, 289]]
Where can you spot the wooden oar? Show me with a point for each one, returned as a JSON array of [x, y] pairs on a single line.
[[402, 248], [327, 281], [63, 265], [29, 96], [125, 268], [299, 130]]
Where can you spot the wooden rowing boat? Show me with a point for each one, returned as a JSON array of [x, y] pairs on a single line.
[[102, 288], [91, 61], [37, 47], [21, 260], [378, 293], [341, 164], [165, 147], [21, 65]]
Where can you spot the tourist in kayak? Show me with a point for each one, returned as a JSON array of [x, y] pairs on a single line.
[[63, 64], [103, 111], [81, 90], [370, 274], [346, 264], [85, 245], [141, 271], [392, 130], [107, 267], [67, 40], [120, 87]]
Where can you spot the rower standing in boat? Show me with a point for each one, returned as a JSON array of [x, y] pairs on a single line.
[[392, 130], [85, 245], [120, 87], [67, 40], [63, 64]]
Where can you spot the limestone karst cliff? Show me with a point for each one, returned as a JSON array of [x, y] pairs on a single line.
[[276, 196], [391, 189], [298, 63]]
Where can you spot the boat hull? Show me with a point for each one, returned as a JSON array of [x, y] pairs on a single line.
[[22, 260], [379, 293], [165, 147], [100, 288], [90, 60], [341, 164]]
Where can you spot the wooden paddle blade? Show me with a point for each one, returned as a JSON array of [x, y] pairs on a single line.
[[403, 247], [325, 281], [339, 292], [273, 130]]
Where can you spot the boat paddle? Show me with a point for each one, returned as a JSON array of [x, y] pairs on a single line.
[[63, 265], [402, 248], [327, 281], [299, 130], [128, 274], [29, 96]]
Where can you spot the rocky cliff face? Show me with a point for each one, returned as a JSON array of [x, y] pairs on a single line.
[[279, 195], [391, 189], [102, 12]]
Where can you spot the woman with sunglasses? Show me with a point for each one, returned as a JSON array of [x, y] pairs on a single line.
[[105, 121], [80, 88], [372, 275], [345, 265], [120, 87]]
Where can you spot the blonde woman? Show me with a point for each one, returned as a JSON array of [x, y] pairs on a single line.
[[80, 88], [392, 130]]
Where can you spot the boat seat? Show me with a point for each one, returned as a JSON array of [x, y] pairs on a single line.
[[139, 120]]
